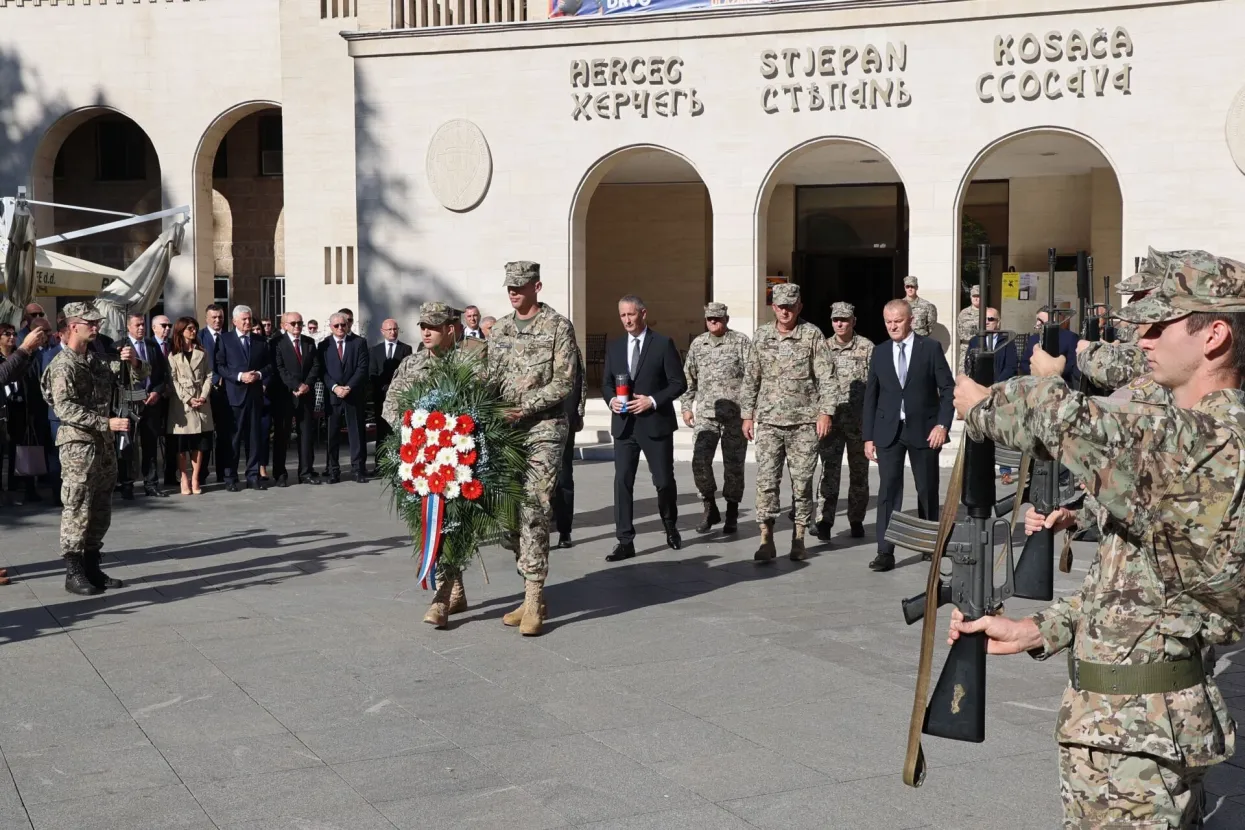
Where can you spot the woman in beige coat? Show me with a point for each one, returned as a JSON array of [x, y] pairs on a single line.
[[190, 411]]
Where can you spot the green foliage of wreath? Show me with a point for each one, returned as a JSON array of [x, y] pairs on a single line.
[[452, 384]]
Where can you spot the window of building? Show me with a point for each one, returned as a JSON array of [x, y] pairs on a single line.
[[220, 165], [220, 293], [271, 298], [270, 146], [121, 152]]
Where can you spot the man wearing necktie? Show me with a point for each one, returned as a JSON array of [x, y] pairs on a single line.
[[382, 363], [162, 333], [244, 365], [345, 359], [471, 322], [1006, 361], [293, 396], [141, 454]]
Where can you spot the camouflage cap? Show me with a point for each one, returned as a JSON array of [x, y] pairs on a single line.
[[1197, 281], [842, 311], [787, 293], [909, 282], [975, 292], [82, 311], [715, 310], [519, 274], [1151, 272], [435, 314]]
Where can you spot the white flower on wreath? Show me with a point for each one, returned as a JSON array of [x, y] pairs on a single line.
[[463, 443], [406, 434], [419, 417], [406, 472], [434, 437], [462, 474], [447, 457], [421, 486], [451, 490]]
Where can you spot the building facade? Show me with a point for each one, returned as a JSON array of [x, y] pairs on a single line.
[[681, 156]]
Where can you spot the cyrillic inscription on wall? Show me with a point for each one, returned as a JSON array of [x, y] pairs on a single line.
[[632, 87], [1072, 51], [800, 84]]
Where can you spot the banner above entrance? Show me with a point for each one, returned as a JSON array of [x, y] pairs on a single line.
[[582, 8]]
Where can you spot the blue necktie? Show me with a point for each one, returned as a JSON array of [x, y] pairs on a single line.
[[246, 349]]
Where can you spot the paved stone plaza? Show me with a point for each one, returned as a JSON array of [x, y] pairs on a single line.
[[266, 667]]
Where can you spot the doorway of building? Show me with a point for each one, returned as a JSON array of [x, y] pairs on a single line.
[[867, 281]]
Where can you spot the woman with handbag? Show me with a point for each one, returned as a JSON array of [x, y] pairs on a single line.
[[22, 451], [190, 410]]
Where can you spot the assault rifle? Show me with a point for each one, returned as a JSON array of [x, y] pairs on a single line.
[[124, 396], [957, 709], [1108, 325]]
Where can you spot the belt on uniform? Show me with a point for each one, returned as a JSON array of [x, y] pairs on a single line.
[[1136, 679]]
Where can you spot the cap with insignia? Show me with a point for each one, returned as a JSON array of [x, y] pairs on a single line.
[[787, 293], [435, 314], [1196, 281], [909, 282], [715, 310], [842, 311], [519, 274], [1151, 272], [975, 292], [82, 311]]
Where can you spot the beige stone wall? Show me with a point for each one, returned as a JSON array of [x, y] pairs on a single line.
[[1048, 212], [1106, 231], [651, 240], [780, 224]]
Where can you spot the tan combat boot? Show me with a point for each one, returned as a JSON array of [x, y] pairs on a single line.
[[439, 612], [516, 616], [766, 551], [533, 610], [798, 553], [458, 595]]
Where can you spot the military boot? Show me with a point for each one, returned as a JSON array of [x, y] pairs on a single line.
[[798, 553], [75, 577], [824, 530], [439, 612], [767, 551], [516, 616], [533, 609], [90, 564], [732, 517], [458, 595], [710, 516]]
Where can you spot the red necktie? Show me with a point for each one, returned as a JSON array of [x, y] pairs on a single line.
[[298, 350], [341, 353], [164, 347]]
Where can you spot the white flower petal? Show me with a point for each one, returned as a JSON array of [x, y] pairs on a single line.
[[421, 486], [419, 417], [451, 490], [462, 474], [406, 472]]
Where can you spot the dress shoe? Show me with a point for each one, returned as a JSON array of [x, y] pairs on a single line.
[[127, 492], [882, 562], [564, 540], [623, 550], [258, 484], [858, 530], [360, 479], [155, 492], [334, 478], [283, 481], [673, 539], [310, 480], [233, 487]]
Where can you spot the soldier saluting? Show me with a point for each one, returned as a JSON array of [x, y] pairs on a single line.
[[1142, 719], [78, 384]]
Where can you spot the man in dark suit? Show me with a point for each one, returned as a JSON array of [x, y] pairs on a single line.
[[150, 422], [244, 364], [1067, 346], [293, 396], [345, 362], [382, 363], [908, 411], [648, 422], [1006, 361], [222, 413]]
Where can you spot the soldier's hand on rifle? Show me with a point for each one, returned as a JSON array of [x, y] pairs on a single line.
[[748, 431], [1004, 636], [937, 437], [689, 419], [1043, 365], [871, 451], [127, 354], [119, 424], [1082, 345], [823, 425], [1060, 518], [968, 393]]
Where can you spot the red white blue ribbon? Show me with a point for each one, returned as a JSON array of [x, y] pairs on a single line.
[[434, 523]]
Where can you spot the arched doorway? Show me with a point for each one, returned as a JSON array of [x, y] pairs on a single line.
[[833, 217], [642, 223], [1029, 192], [239, 184]]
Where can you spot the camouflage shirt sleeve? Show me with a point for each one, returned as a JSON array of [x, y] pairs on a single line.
[[59, 391], [1057, 625], [751, 386], [1111, 365], [563, 377], [689, 372], [828, 387]]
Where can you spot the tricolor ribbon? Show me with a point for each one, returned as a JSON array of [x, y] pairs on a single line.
[[434, 523]]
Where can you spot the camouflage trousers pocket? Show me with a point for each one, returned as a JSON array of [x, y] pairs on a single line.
[[1115, 790]]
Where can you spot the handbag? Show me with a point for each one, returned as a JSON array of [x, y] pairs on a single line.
[[29, 458]]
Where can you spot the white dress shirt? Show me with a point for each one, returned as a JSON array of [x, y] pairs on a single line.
[[907, 354], [390, 347]]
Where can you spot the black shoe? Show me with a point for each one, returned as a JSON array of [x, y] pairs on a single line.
[[858, 530], [101, 580], [258, 484], [673, 539], [75, 577], [564, 540], [233, 487], [127, 492], [310, 480], [335, 478], [882, 562], [823, 530], [360, 479], [623, 550], [283, 481], [731, 525], [155, 492]]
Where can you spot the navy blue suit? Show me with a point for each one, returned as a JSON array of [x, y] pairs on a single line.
[[1006, 361], [350, 369], [1067, 348], [246, 400], [222, 415]]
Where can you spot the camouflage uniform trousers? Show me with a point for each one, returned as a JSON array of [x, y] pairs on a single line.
[[1105, 790], [844, 435], [734, 451], [88, 476], [797, 447], [546, 440]]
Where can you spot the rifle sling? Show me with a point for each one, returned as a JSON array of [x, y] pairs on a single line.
[[1135, 679], [914, 758]]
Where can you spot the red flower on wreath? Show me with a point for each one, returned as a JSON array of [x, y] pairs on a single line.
[[436, 420], [409, 487], [409, 453], [417, 471], [406, 418], [419, 437], [436, 483], [446, 438], [467, 459], [465, 425], [430, 454], [472, 490]]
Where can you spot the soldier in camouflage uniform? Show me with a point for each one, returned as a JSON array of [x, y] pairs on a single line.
[[1143, 719], [924, 313], [78, 384], [1115, 365], [714, 369], [967, 324], [532, 357], [788, 398], [851, 354]]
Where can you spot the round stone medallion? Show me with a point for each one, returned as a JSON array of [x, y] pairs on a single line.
[[1235, 129], [459, 165]]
